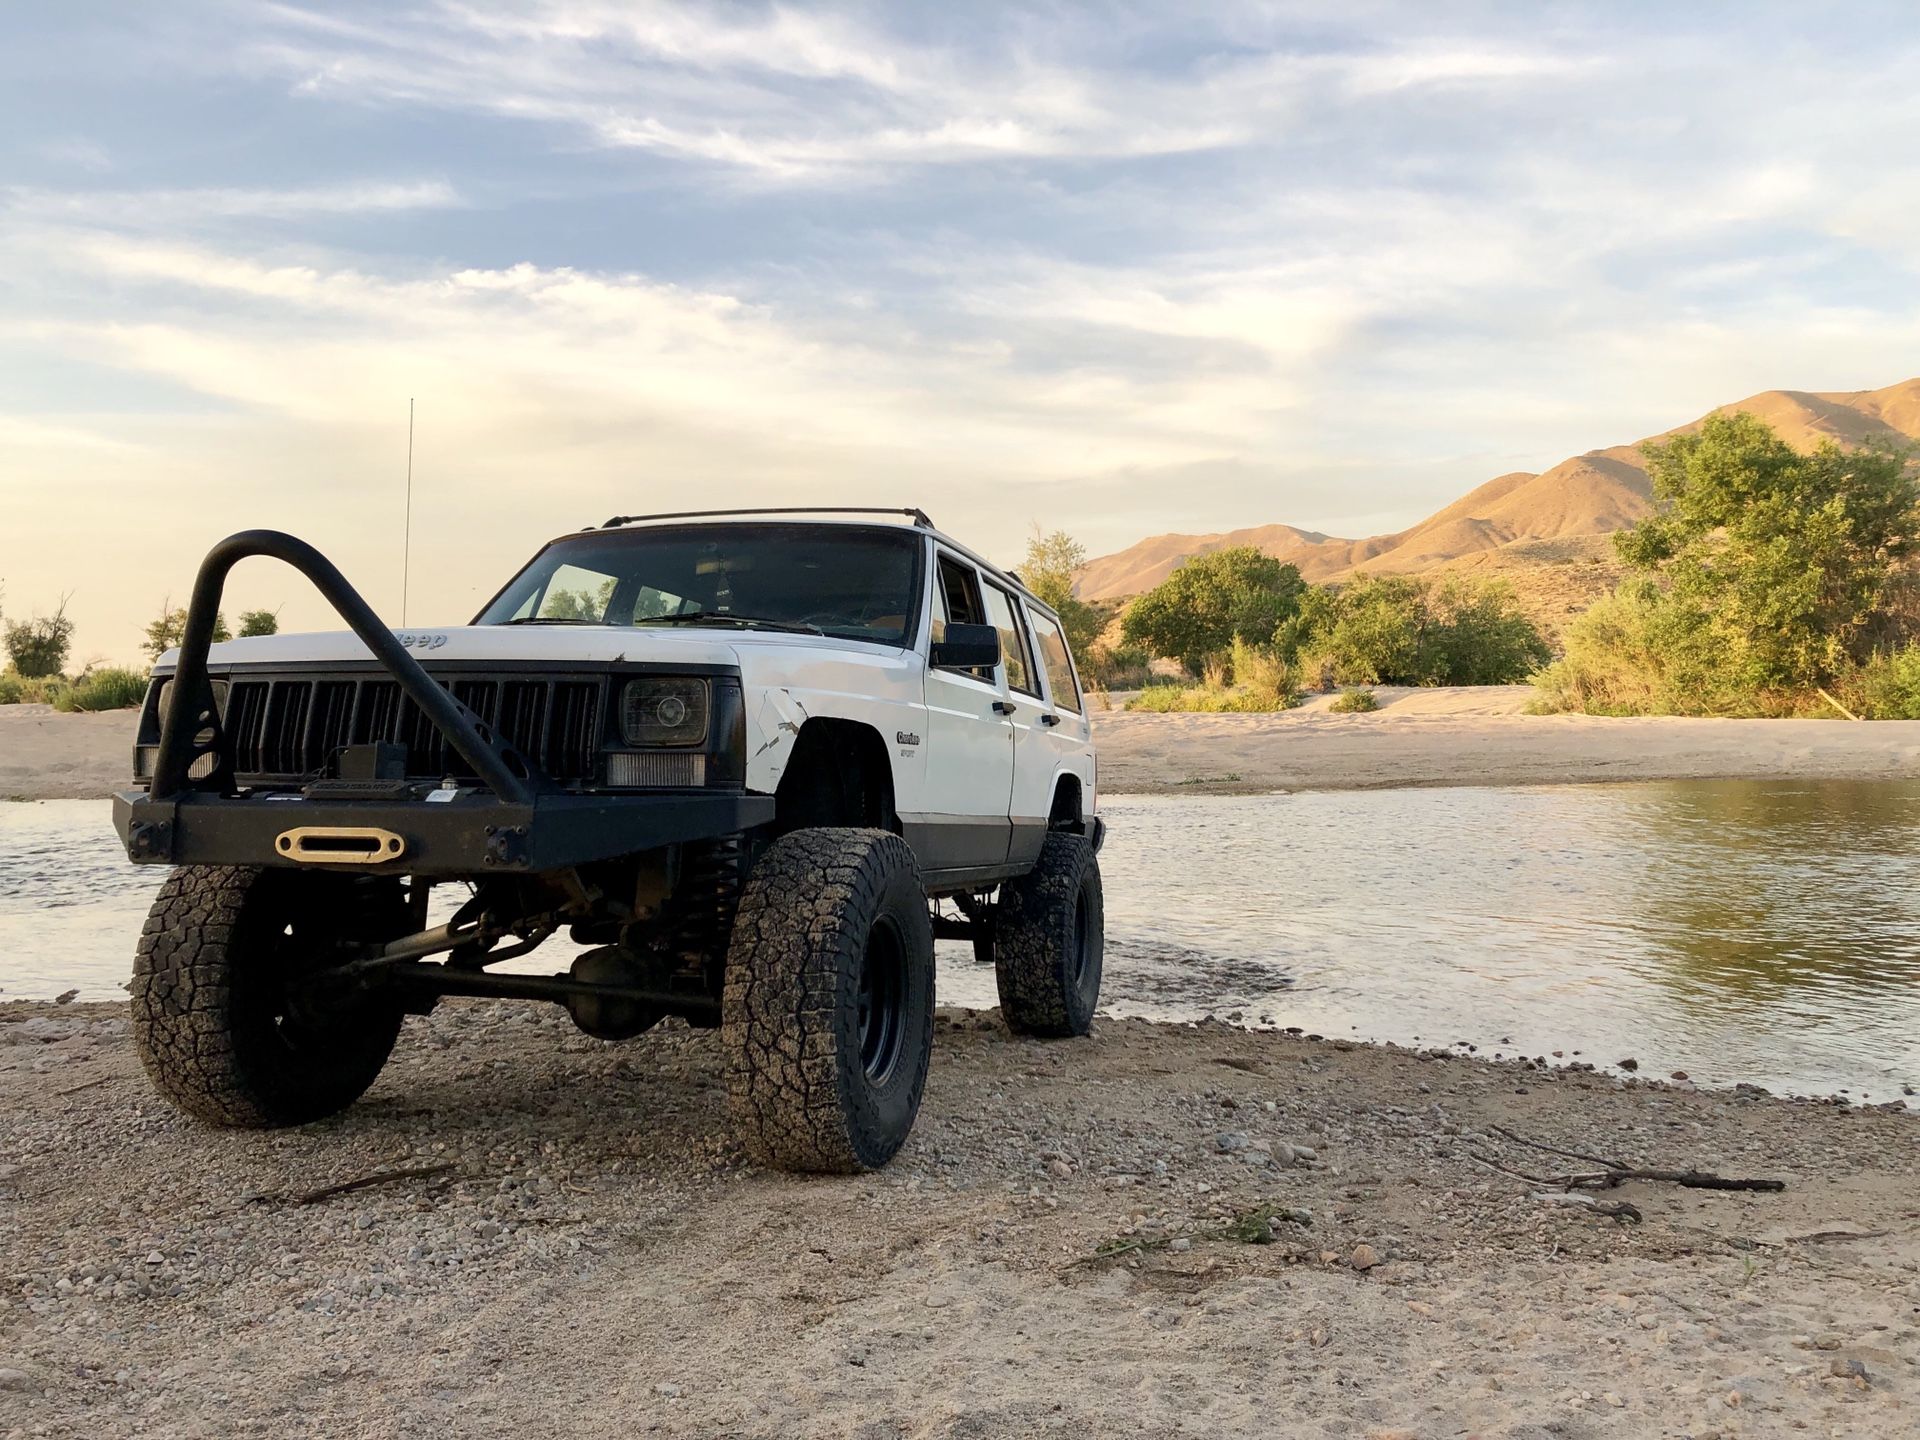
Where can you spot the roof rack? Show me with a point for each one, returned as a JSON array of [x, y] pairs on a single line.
[[919, 516]]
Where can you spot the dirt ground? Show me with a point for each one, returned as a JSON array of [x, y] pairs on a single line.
[[1466, 735], [1063, 1249]]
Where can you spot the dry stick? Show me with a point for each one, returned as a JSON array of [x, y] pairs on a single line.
[[84, 1085], [1835, 703], [1618, 1172], [378, 1177]]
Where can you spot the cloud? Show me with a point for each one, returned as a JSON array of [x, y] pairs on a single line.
[[150, 209], [800, 97]]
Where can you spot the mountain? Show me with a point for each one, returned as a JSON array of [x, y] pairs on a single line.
[[1516, 523]]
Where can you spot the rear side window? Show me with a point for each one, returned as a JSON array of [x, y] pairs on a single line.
[[1013, 641], [1053, 655]]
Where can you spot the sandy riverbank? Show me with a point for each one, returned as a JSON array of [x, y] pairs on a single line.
[[1459, 736], [1478, 735], [595, 1261]]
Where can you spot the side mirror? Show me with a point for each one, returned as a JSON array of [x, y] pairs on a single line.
[[967, 647]]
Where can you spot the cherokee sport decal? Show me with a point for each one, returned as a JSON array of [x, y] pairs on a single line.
[[906, 737]]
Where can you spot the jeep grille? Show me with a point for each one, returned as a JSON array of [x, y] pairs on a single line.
[[286, 728]]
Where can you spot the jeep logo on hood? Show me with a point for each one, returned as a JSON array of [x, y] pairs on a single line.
[[419, 640]]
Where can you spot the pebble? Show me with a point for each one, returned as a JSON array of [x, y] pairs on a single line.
[[1364, 1257], [1231, 1140], [12, 1379], [1844, 1369], [1059, 1169]]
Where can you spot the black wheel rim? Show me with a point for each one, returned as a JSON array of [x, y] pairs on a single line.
[[883, 1001], [1082, 936]]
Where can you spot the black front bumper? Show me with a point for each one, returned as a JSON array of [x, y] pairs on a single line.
[[470, 833]]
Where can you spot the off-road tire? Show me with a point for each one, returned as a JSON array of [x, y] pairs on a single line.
[[210, 1018], [1049, 941], [818, 906]]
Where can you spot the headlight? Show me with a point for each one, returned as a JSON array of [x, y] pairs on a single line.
[[220, 689], [664, 712]]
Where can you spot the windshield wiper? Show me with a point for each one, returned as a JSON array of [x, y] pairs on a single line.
[[715, 617], [548, 620]]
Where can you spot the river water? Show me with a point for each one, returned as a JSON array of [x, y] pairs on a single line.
[[1765, 931]]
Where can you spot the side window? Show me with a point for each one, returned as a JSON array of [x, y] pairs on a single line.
[[958, 603], [1053, 654], [1013, 641]]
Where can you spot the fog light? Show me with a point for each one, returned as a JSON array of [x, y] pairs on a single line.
[[647, 772]]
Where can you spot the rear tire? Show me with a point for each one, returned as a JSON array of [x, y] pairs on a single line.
[[1049, 941], [214, 1019], [827, 1011]]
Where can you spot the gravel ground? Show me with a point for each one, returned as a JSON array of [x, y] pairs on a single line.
[[1064, 1248]]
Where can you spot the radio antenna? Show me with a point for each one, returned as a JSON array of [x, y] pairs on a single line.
[[406, 543]]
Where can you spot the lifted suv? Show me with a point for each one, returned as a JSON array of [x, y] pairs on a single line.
[[754, 762]]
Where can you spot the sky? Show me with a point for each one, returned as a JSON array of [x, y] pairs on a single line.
[[1114, 269]]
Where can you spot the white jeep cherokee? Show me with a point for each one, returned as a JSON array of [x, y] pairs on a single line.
[[748, 757]]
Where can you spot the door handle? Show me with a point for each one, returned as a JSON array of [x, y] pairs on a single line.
[[1049, 719], [1003, 707]]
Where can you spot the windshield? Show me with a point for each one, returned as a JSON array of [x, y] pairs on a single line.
[[842, 580]]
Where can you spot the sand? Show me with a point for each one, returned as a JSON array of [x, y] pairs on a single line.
[[596, 1260], [1457, 736], [1478, 736]]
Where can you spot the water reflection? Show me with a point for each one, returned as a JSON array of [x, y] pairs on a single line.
[[1739, 930]]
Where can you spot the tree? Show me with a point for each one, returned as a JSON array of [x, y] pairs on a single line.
[[1052, 562], [1196, 613], [259, 622], [38, 647], [163, 634], [1784, 560], [1401, 630]]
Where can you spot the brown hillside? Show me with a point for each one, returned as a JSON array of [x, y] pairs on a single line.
[[1586, 496]]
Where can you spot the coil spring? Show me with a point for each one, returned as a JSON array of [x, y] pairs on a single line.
[[700, 915]]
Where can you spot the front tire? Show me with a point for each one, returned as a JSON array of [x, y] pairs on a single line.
[[216, 1018], [1049, 941], [827, 1011]]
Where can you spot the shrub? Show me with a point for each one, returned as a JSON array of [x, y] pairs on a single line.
[[38, 647], [259, 622], [1887, 687], [110, 688], [1354, 701], [1121, 667], [17, 689], [1400, 630], [1254, 680]]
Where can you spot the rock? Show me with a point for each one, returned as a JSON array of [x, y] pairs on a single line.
[[66, 997], [1180, 1246], [12, 1379], [1231, 1140], [1828, 1342], [1679, 1075], [1059, 1169], [1628, 1064], [667, 1390], [1364, 1257], [1844, 1369]]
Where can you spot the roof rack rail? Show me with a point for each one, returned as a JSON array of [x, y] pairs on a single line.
[[919, 516]]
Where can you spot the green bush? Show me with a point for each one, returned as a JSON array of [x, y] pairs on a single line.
[[106, 689], [1197, 612], [18, 689], [38, 647], [1253, 681], [1764, 576], [1401, 630], [1887, 687], [1354, 701]]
